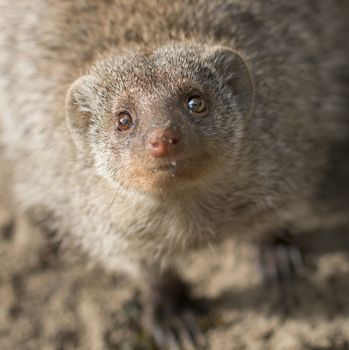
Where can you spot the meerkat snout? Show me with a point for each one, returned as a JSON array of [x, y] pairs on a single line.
[[164, 142]]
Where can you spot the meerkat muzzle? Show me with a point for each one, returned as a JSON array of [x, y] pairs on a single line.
[[164, 142]]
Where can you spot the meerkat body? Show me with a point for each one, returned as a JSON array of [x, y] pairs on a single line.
[[264, 166]]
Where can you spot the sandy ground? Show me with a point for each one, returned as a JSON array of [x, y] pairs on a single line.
[[51, 301]]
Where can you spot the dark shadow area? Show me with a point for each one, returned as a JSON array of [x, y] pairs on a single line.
[[302, 298], [325, 241]]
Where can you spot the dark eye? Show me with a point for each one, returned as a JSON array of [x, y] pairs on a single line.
[[124, 121], [196, 104]]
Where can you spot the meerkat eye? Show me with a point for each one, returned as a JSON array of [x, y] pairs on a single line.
[[124, 121], [196, 104]]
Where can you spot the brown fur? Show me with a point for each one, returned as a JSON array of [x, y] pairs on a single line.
[[245, 173]]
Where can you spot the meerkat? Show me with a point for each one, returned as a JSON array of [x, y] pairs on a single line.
[[147, 129]]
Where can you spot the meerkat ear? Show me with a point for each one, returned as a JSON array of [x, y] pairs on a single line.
[[235, 73], [79, 108]]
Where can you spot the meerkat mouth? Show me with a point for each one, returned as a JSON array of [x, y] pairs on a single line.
[[159, 175], [176, 166], [177, 171], [170, 166]]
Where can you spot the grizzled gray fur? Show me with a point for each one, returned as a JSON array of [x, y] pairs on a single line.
[[269, 150]]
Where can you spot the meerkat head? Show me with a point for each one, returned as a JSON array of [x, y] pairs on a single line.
[[156, 120]]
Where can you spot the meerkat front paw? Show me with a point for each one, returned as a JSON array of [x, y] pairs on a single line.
[[280, 258], [169, 314]]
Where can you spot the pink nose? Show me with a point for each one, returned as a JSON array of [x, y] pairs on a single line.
[[163, 142]]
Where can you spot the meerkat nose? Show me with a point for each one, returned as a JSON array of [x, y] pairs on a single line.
[[163, 142]]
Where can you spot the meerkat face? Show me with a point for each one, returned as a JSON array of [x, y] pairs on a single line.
[[158, 120]]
